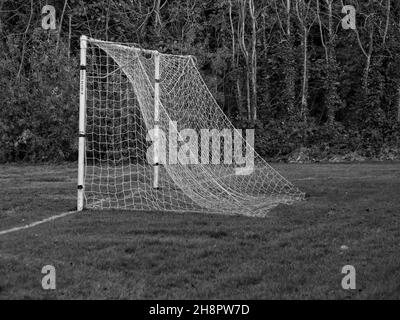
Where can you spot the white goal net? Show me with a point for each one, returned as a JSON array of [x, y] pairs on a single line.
[[156, 139]]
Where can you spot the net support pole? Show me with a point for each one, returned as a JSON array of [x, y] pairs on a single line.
[[82, 124], [156, 163]]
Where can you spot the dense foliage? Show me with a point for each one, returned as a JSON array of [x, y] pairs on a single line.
[[312, 90]]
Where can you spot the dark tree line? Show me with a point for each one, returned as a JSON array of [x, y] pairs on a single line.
[[285, 67]]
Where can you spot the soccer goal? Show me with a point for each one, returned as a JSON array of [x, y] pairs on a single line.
[[152, 137]]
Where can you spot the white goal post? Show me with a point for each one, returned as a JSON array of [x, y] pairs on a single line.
[[144, 121], [82, 120]]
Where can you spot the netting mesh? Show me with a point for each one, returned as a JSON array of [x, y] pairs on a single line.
[[119, 170]]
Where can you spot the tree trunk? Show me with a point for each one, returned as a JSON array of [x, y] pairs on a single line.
[[290, 71], [158, 22], [388, 8], [60, 24], [253, 60], [398, 107], [239, 95], [366, 74], [235, 62], [1, 24], [248, 92], [304, 93], [245, 52], [368, 63], [266, 83], [69, 35], [332, 96], [24, 41]]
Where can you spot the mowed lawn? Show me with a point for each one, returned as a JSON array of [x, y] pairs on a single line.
[[293, 254]]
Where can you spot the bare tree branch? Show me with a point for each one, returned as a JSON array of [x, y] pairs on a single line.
[[61, 21], [387, 21], [24, 42]]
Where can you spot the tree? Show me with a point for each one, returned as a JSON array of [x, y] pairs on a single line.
[[332, 99], [289, 57], [305, 20]]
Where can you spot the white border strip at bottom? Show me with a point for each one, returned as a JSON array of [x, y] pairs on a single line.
[[34, 224]]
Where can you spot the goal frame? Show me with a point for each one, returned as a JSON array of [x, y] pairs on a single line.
[[175, 188]]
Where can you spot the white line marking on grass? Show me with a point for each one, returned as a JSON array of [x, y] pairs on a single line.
[[337, 178], [34, 224]]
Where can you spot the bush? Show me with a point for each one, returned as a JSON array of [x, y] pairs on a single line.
[[39, 110]]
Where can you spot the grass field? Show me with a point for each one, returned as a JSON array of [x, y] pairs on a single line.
[[294, 254]]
